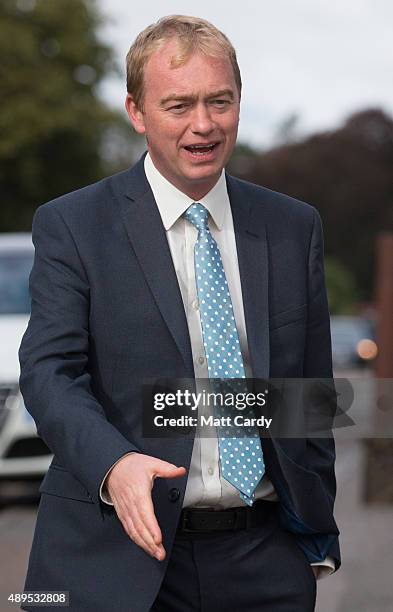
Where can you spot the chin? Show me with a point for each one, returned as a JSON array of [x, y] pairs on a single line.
[[205, 183], [204, 173]]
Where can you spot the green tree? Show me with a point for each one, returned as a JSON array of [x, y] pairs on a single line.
[[53, 123]]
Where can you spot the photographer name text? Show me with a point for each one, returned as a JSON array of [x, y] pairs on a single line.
[[238, 420]]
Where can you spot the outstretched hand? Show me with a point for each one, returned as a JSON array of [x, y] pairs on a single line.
[[129, 484]]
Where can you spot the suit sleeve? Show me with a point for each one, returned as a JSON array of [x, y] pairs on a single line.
[[55, 380], [318, 364]]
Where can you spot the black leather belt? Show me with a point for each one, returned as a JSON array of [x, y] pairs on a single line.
[[232, 519]]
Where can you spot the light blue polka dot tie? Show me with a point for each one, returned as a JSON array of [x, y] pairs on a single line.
[[241, 458]]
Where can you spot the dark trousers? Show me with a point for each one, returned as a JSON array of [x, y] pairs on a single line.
[[260, 569]]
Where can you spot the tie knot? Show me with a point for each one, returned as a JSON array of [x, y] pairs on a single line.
[[198, 216]]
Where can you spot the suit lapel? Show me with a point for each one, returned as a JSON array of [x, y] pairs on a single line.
[[251, 244], [148, 239]]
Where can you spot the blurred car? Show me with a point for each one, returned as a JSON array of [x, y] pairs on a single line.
[[22, 453], [353, 341]]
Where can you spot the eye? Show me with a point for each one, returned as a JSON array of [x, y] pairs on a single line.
[[178, 108], [220, 103]]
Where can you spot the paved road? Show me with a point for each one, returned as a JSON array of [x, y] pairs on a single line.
[[17, 521], [364, 582]]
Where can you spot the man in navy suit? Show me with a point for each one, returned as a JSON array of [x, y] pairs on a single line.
[[134, 523]]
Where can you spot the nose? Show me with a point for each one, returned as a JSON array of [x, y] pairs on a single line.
[[201, 122]]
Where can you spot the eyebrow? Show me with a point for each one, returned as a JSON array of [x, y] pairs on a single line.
[[192, 98]]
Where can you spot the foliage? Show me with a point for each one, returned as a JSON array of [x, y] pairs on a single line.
[[52, 121], [341, 288]]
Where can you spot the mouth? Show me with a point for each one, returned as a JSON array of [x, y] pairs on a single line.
[[202, 150]]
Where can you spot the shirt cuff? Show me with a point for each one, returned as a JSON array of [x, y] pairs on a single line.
[[104, 493], [327, 567]]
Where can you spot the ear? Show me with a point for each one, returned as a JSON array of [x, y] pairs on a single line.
[[135, 115]]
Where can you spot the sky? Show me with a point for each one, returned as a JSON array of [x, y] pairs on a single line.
[[320, 60]]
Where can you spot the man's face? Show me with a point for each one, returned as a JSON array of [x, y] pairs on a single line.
[[190, 118]]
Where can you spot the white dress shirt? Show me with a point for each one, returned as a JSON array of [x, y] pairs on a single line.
[[205, 487]]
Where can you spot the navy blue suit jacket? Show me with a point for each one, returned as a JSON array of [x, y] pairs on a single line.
[[107, 313]]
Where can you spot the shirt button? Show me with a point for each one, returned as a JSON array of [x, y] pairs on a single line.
[[195, 305], [210, 471], [201, 360]]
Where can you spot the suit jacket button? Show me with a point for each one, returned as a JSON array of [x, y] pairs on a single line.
[[174, 495]]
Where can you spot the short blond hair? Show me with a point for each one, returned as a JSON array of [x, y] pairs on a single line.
[[193, 34]]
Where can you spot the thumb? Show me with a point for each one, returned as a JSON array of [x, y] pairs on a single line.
[[167, 470]]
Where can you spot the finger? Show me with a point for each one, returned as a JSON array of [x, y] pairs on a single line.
[[134, 535], [128, 516], [144, 533], [155, 549], [146, 515], [167, 470], [138, 507], [141, 510]]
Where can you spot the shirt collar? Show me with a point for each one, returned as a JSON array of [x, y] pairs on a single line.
[[172, 202]]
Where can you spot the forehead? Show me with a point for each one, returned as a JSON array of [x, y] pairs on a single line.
[[199, 72]]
